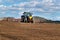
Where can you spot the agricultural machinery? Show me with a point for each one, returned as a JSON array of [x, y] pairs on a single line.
[[27, 17]]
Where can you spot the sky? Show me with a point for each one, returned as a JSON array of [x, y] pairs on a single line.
[[49, 9]]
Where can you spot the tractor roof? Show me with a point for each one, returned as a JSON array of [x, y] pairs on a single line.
[[27, 13]]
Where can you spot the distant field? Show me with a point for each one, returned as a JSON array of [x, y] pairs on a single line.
[[29, 31]]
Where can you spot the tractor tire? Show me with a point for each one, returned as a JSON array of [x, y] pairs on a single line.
[[22, 18], [31, 21]]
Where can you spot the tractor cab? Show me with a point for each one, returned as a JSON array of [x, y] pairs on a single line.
[[27, 14]]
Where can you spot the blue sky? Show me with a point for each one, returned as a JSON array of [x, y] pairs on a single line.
[[49, 9]]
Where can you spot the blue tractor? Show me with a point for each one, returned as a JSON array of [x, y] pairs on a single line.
[[27, 17]]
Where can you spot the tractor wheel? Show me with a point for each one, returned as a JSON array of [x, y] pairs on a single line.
[[31, 21]]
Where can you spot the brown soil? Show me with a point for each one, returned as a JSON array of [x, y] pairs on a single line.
[[29, 31]]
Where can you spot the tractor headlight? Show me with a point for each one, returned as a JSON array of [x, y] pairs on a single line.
[[30, 17]]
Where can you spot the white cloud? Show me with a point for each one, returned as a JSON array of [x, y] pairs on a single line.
[[32, 6], [3, 6], [28, 4], [56, 8], [57, 18], [20, 13], [2, 12], [48, 3], [47, 0], [9, 0]]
